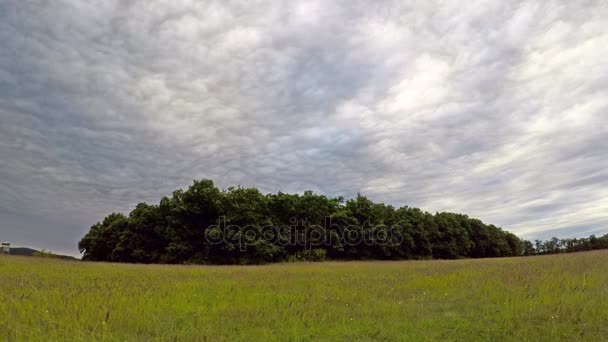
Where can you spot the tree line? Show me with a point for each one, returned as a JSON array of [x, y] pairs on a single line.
[[204, 225], [571, 245]]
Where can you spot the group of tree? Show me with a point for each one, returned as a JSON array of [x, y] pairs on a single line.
[[571, 245], [205, 224]]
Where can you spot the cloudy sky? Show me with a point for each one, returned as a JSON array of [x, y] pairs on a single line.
[[496, 109]]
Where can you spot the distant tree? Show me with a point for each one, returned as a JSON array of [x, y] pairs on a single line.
[[528, 248], [539, 247]]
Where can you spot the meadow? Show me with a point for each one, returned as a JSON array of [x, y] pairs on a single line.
[[540, 298]]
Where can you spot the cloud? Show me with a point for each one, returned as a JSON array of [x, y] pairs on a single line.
[[497, 110]]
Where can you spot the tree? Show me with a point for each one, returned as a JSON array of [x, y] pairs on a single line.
[[528, 248], [204, 224]]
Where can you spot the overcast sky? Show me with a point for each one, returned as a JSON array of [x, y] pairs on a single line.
[[496, 109]]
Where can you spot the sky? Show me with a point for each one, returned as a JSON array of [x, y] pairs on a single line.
[[495, 109]]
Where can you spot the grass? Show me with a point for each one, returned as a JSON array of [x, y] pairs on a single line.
[[546, 298]]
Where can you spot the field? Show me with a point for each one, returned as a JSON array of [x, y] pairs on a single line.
[[559, 297]]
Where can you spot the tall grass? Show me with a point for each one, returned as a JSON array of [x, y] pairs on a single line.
[[558, 297]]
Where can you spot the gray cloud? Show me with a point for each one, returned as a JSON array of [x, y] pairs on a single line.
[[494, 109]]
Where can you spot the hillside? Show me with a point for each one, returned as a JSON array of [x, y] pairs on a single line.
[[25, 251]]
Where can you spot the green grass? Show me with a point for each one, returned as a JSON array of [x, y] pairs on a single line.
[[560, 297]]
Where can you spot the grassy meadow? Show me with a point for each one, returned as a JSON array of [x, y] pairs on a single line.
[[557, 297]]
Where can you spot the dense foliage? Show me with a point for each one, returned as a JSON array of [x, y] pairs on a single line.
[[177, 230]]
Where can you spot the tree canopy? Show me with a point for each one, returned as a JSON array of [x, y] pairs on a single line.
[[204, 224]]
